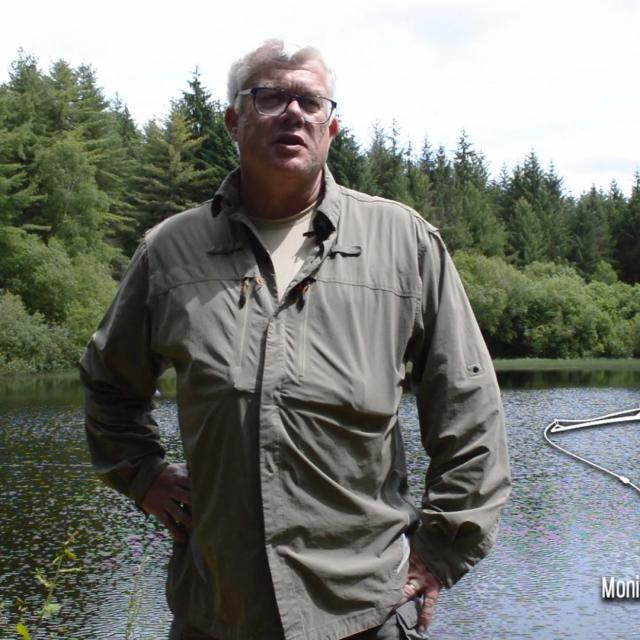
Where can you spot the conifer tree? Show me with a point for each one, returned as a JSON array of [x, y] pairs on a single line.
[[542, 190], [627, 250], [62, 96], [419, 186], [168, 171], [471, 200], [97, 125], [346, 161], [215, 155], [590, 237], [454, 229], [615, 205], [385, 165], [527, 235], [16, 192], [426, 161]]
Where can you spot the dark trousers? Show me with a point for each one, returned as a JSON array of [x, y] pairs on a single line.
[[400, 625]]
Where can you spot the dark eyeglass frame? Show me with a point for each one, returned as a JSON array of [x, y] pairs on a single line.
[[290, 97]]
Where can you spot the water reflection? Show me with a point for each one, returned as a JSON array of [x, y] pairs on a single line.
[[569, 378], [58, 390], [566, 526]]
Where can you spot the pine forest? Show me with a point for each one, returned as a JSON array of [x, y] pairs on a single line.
[[548, 274]]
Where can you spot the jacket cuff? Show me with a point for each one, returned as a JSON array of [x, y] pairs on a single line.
[[146, 474], [449, 560]]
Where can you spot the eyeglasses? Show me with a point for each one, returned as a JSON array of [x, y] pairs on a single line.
[[270, 101]]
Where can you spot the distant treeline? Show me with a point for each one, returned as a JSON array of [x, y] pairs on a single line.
[[548, 274]]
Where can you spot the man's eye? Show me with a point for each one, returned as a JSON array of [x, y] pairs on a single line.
[[270, 99], [311, 104]]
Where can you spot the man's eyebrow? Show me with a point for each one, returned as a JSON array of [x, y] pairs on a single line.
[[317, 93]]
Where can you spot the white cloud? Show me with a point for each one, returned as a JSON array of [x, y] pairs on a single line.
[[558, 76]]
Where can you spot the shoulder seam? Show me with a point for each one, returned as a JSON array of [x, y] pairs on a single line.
[[366, 198]]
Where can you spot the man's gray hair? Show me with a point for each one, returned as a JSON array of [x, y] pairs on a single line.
[[272, 53]]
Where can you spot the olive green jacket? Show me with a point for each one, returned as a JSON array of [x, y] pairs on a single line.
[[288, 413]]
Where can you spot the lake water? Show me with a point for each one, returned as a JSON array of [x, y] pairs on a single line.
[[566, 526]]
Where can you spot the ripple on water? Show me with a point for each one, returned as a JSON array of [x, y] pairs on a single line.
[[565, 527]]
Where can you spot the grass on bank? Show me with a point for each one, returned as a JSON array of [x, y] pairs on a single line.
[[578, 364]]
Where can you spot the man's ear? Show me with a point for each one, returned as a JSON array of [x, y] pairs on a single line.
[[231, 122], [334, 127]]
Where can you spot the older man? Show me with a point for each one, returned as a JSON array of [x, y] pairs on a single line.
[[289, 307]]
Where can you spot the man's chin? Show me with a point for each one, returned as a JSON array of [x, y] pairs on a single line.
[[293, 164]]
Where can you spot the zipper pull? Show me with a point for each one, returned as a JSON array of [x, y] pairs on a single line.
[[302, 291], [243, 292]]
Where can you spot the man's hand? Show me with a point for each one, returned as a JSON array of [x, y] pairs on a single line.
[[169, 498], [421, 581]]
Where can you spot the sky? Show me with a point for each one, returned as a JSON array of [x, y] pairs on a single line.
[[560, 77]]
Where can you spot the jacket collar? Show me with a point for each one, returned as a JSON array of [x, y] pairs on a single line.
[[330, 204], [227, 197]]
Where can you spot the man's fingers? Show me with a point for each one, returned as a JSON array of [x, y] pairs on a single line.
[[169, 498], [179, 515], [180, 495], [409, 592], [428, 609], [177, 532], [420, 580]]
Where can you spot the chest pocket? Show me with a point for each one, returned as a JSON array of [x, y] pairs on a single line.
[[203, 314], [348, 339]]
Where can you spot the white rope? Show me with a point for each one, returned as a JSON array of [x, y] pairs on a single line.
[[558, 425]]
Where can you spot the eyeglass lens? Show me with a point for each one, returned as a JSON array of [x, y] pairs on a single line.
[[271, 102]]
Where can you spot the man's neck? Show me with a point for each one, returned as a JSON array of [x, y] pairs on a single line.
[[279, 198]]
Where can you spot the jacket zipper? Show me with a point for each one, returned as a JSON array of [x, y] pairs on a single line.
[[304, 298], [245, 297]]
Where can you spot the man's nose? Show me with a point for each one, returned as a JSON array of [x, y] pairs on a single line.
[[293, 111]]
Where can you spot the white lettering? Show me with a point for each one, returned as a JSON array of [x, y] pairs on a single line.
[[608, 589], [613, 588]]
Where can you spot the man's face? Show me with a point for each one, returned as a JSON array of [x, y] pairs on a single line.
[[284, 144]]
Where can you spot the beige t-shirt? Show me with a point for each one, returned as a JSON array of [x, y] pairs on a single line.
[[284, 239]]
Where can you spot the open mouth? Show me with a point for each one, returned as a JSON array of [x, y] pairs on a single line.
[[290, 140]]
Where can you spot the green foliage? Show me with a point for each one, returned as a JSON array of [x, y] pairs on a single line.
[[80, 183], [604, 272], [16, 193], [73, 205], [59, 298], [93, 290], [50, 584], [497, 294], [527, 233], [40, 273], [27, 342], [627, 250], [535, 213], [591, 241], [385, 166], [168, 170], [549, 310], [346, 161], [215, 154]]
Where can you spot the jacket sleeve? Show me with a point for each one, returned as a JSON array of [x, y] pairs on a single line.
[[461, 421], [119, 373]]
